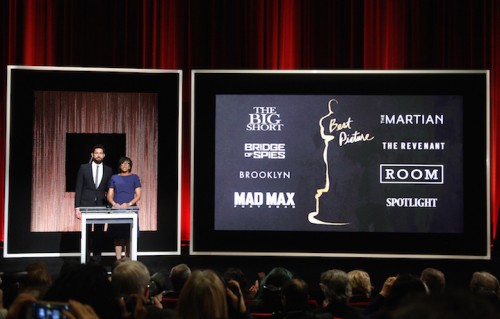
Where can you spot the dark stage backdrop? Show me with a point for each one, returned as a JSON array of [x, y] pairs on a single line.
[[256, 34]]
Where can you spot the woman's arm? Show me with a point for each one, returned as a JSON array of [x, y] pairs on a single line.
[[137, 196], [110, 196]]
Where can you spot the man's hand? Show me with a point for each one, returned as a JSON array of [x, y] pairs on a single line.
[[19, 304], [80, 311], [157, 300], [78, 213], [253, 290], [235, 296], [386, 288], [136, 309]]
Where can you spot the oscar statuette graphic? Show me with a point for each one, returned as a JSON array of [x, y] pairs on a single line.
[[344, 138]]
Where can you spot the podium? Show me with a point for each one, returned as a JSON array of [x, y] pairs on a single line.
[[105, 215]]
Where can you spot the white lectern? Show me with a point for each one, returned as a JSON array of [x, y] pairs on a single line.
[[104, 215]]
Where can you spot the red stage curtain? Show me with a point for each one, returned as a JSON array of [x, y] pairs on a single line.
[[493, 54], [258, 34]]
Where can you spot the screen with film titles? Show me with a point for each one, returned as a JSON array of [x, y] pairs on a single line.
[[339, 163]]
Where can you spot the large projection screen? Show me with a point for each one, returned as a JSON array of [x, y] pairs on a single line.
[[341, 163], [55, 115]]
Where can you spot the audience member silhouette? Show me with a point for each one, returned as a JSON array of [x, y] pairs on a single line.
[[295, 297], [18, 307], [361, 287], [119, 261], [378, 299], [205, 296], [88, 284], [486, 285], [177, 277], [3, 310], [69, 265], [405, 286], [434, 279], [38, 279], [450, 304], [335, 286], [130, 280], [268, 299], [78, 310], [234, 273], [255, 287]]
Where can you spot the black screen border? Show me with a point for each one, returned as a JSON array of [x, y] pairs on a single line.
[[473, 85], [22, 82]]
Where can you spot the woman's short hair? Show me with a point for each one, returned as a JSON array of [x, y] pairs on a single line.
[[123, 160], [360, 282]]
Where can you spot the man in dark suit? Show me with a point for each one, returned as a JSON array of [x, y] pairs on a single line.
[[90, 191]]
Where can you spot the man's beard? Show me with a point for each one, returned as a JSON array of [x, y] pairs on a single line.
[[97, 161]]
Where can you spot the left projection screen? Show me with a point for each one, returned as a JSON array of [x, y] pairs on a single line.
[[55, 115]]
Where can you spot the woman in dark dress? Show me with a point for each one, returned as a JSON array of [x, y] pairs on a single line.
[[124, 191]]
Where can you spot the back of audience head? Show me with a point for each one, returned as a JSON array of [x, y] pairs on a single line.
[[434, 279], [406, 286], [178, 276], [360, 282], [130, 277], [485, 284], [277, 277], [335, 286], [69, 265], [88, 284], [206, 290], [451, 304], [38, 279], [119, 261], [234, 273], [295, 295], [271, 288]]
